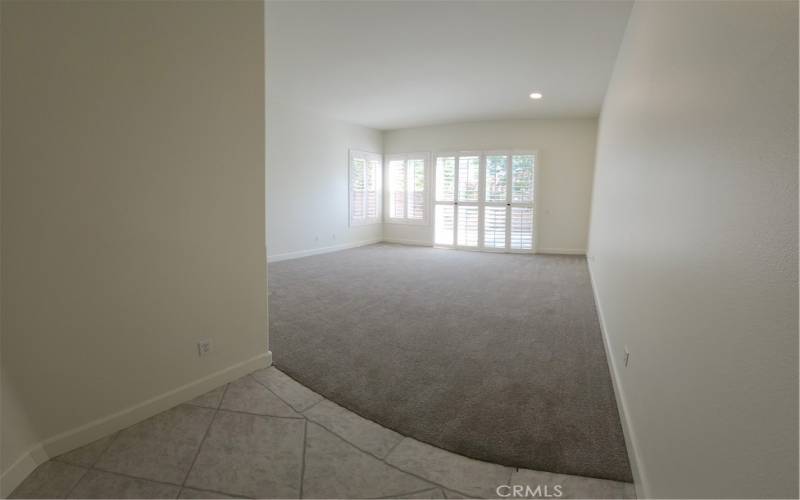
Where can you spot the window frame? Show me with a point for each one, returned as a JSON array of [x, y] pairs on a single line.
[[354, 154], [426, 204]]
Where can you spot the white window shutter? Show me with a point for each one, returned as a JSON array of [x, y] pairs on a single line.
[[397, 188], [364, 185], [415, 181], [407, 201]]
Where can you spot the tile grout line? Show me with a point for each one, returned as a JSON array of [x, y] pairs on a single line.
[[351, 444], [165, 483], [386, 457], [94, 462], [216, 492], [86, 471], [205, 435], [300, 412], [181, 487], [303, 462], [443, 487], [434, 484], [122, 474], [427, 480], [362, 450], [108, 446], [305, 433], [242, 412], [312, 406]]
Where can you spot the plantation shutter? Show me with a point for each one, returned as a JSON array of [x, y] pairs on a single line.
[[364, 185], [397, 189], [522, 202], [406, 188], [415, 180]]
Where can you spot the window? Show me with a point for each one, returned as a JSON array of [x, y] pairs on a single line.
[[406, 188], [365, 188], [485, 200]]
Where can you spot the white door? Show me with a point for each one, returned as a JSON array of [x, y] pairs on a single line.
[[485, 201]]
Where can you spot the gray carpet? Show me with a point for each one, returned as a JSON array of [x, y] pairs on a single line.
[[494, 356]]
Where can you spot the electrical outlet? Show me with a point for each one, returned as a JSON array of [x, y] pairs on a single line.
[[627, 356], [203, 347]]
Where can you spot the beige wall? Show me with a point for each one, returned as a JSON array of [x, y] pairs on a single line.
[[693, 245], [566, 162], [132, 205]]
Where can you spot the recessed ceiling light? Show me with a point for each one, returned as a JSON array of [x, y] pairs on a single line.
[[535, 95]]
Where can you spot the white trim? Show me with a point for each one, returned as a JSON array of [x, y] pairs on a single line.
[[85, 434], [637, 470], [562, 251], [316, 251], [19, 470], [416, 243]]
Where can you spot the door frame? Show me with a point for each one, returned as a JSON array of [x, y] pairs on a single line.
[[481, 203]]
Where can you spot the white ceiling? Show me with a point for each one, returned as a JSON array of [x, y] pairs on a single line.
[[396, 64]]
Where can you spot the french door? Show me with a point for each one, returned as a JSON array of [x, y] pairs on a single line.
[[485, 200]]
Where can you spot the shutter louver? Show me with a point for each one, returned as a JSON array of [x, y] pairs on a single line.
[[468, 178], [444, 224], [407, 179], [467, 226], [397, 179], [521, 228], [415, 172], [365, 188], [494, 223]]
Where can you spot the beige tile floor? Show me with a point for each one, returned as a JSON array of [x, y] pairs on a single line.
[[267, 436]]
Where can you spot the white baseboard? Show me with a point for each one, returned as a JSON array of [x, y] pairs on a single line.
[[19, 470], [417, 243], [85, 434], [316, 251], [562, 251], [639, 478]]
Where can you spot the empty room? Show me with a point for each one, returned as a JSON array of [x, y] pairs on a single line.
[[399, 249]]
